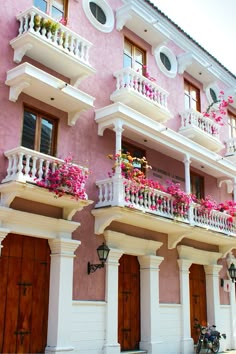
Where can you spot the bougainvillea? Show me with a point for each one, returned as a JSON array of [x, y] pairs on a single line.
[[217, 110], [65, 178]]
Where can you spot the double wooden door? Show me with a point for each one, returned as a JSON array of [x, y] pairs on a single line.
[[198, 308], [129, 303], [24, 293]]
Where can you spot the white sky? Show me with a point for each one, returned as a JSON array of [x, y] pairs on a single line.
[[212, 23]]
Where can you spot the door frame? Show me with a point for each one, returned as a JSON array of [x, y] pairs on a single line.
[[188, 256], [62, 246], [145, 250]]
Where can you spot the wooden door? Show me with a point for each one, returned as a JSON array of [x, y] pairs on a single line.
[[198, 307], [24, 292], [129, 303]]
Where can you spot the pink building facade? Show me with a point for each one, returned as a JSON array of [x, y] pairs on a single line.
[[93, 78]]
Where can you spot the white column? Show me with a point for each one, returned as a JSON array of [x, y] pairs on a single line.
[[60, 295], [186, 340], [150, 316], [231, 259], [3, 234], [212, 293], [118, 129], [187, 162], [111, 343], [234, 186]]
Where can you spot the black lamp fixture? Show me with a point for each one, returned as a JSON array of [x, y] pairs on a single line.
[[102, 252], [232, 272]]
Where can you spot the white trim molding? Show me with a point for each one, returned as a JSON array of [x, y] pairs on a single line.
[[108, 26], [172, 58]]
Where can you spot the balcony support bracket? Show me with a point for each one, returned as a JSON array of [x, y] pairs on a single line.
[[225, 249], [15, 90], [175, 238], [19, 52]]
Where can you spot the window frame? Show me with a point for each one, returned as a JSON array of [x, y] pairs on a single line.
[[134, 47], [50, 5], [193, 177], [192, 87], [162, 49], [37, 137], [232, 127], [110, 19]]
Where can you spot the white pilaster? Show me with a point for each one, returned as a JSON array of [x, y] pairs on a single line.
[[212, 293], [234, 193], [187, 162], [111, 343], [231, 259], [186, 341], [60, 295], [150, 317], [3, 234]]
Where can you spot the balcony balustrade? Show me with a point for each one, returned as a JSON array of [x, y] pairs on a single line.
[[141, 94], [25, 168], [231, 149], [117, 192], [200, 129], [52, 44]]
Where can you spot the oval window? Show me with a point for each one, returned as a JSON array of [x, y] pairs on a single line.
[[98, 13], [165, 61]]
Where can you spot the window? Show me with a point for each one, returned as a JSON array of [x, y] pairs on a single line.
[[197, 185], [232, 125], [166, 61], [55, 8], [134, 152], [191, 96], [134, 57], [39, 132], [98, 12], [213, 95]]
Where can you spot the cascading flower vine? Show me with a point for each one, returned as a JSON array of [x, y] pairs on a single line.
[[65, 178], [217, 110]]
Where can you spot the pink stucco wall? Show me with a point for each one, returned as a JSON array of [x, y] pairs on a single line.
[[89, 149]]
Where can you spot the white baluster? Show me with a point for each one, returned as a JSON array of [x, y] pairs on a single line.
[[34, 169], [27, 166], [40, 169]]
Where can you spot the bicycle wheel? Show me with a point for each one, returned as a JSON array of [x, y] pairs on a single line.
[[215, 346], [198, 347]]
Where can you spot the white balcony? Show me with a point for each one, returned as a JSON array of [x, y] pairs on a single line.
[[48, 89], [25, 167], [154, 210], [231, 149], [141, 94], [200, 129], [52, 44]]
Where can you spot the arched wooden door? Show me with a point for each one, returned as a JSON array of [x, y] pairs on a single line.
[[198, 309], [24, 292], [129, 303]]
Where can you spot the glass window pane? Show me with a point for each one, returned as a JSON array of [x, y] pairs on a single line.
[[194, 94], [98, 12], [186, 102], [29, 129], [59, 4], [57, 14], [127, 61], [194, 105], [41, 4], [46, 136], [128, 48], [138, 56]]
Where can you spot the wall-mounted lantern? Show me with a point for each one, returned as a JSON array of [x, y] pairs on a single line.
[[103, 252]]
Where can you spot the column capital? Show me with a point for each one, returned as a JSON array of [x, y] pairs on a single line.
[[147, 262], [184, 264], [63, 246], [3, 234], [118, 126], [187, 159], [213, 269], [114, 256]]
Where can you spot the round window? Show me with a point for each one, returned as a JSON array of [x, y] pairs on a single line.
[[100, 14], [165, 61], [213, 95]]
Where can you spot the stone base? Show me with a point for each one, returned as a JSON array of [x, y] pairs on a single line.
[[61, 350], [111, 349]]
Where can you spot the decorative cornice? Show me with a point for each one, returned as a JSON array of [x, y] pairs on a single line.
[[198, 256]]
